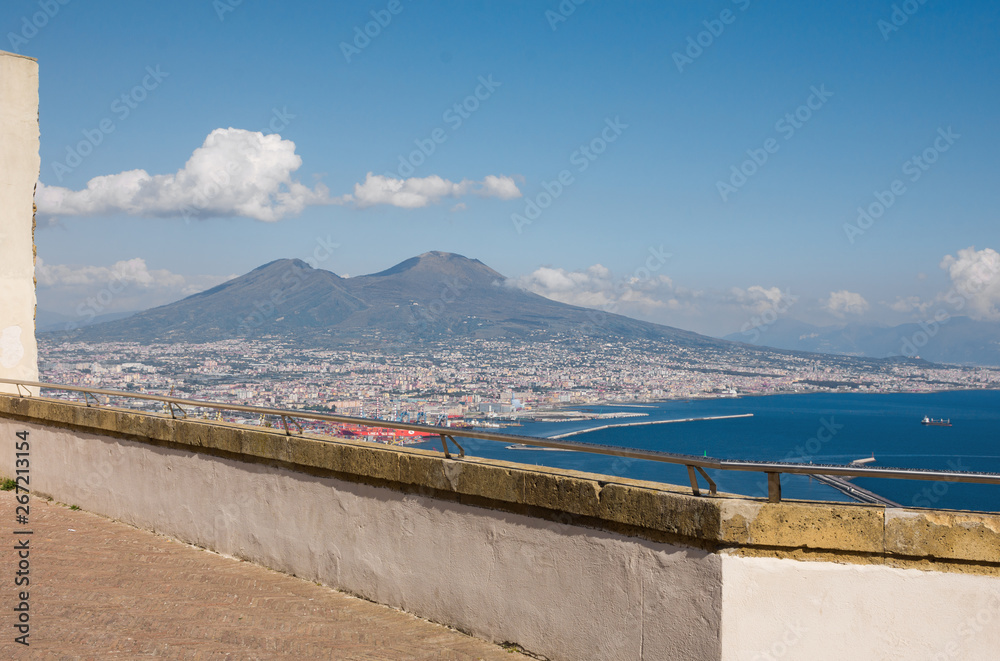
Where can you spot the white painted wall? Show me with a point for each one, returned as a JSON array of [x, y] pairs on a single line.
[[567, 592], [19, 169], [563, 591], [783, 609]]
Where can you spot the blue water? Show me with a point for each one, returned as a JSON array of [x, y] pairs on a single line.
[[824, 428]]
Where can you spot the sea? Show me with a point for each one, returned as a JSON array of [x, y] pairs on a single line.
[[822, 428]]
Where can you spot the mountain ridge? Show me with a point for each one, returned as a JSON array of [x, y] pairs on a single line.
[[430, 296], [956, 340]]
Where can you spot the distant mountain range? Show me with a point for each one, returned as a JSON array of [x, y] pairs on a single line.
[[47, 321], [959, 340], [433, 296], [440, 295]]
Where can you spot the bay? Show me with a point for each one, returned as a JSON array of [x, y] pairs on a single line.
[[822, 428]]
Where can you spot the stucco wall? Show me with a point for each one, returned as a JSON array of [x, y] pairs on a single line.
[[19, 169], [566, 564], [563, 591], [784, 609]]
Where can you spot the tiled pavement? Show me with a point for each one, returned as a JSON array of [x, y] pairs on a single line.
[[105, 590]]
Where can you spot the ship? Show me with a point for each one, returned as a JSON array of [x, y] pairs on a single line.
[[931, 422]]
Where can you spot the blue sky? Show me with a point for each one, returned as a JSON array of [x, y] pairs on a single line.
[[695, 90]]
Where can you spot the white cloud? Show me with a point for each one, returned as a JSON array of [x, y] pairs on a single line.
[[909, 304], [132, 271], [843, 302], [598, 287], [234, 173], [417, 192], [247, 174], [125, 285], [975, 277], [758, 299]]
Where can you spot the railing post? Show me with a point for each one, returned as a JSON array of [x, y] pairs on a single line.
[[712, 488], [774, 487], [694, 481]]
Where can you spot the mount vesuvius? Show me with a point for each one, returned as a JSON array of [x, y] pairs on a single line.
[[430, 297]]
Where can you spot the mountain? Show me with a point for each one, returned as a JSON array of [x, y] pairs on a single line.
[[46, 320], [957, 340], [432, 296]]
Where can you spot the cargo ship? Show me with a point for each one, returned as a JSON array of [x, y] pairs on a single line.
[[931, 422]]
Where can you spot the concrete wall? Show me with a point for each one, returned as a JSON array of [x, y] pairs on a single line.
[[563, 591], [19, 169], [774, 609], [568, 565]]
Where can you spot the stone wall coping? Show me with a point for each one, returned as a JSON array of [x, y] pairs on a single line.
[[938, 540]]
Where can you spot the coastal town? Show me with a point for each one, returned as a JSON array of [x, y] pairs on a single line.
[[476, 380]]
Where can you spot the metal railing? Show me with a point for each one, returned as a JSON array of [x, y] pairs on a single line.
[[695, 465]]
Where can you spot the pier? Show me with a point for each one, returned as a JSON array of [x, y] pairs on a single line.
[[860, 494], [650, 422]]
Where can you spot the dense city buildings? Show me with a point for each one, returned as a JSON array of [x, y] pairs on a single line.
[[476, 378]]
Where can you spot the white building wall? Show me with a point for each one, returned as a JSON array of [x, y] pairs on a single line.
[[19, 169], [786, 609]]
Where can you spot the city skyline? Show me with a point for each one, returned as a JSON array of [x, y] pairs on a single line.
[[828, 164]]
